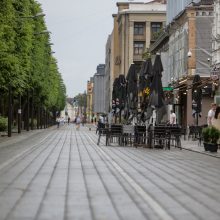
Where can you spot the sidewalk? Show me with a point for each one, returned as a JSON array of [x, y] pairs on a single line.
[[194, 146], [15, 137]]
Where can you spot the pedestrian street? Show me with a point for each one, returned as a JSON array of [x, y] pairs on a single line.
[[61, 173]]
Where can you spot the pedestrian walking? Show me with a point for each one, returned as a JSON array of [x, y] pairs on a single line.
[[211, 114], [216, 120], [68, 120], [78, 121], [172, 118], [58, 122]]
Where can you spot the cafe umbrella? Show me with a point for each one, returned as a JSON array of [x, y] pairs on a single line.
[[196, 97], [121, 94], [132, 91], [118, 95], [145, 80], [115, 96], [156, 99]]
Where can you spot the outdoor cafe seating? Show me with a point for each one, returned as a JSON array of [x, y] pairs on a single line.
[[128, 134], [163, 136], [195, 132], [114, 134], [159, 136]]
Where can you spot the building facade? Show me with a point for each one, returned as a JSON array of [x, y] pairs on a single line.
[[99, 90], [69, 110], [138, 26], [190, 41], [108, 77], [216, 47], [89, 110]]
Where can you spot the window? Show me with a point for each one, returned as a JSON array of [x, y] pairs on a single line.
[[156, 27], [138, 48], [138, 28]]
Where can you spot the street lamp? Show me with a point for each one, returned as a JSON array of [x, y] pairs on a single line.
[[42, 32], [189, 54], [40, 14]]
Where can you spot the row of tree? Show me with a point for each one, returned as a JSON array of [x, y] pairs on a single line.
[[31, 86]]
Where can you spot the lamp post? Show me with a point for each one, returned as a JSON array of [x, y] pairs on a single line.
[[40, 14], [9, 109], [40, 108], [42, 32]]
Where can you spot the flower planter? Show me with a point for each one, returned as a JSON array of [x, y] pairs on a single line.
[[210, 137], [210, 147], [213, 147]]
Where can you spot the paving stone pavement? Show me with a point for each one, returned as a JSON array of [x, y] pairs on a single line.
[[63, 174]]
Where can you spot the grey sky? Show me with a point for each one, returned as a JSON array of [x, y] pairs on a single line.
[[79, 32]]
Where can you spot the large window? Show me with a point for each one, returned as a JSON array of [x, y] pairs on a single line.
[[138, 48], [138, 28], [155, 29], [156, 26]]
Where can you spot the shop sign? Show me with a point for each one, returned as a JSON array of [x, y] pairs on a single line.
[[215, 73], [167, 89]]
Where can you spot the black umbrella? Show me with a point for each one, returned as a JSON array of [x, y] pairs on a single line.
[[119, 94], [121, 91], [196, 97], [156, 100], [145, 80], [115, 95], [132, 89], [132, 93]]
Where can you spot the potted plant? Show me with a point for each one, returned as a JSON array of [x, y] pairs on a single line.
[[210, 137]]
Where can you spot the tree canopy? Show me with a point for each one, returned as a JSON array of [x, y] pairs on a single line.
[[26, 61]]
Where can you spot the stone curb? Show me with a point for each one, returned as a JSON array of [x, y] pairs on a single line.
[[200, 152]]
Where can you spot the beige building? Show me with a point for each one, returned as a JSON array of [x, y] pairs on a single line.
[[135, 27], [138, 25], [89, 110]]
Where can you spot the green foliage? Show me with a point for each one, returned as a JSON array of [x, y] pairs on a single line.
[[156, 35], [3, 123], [25, 54], [146, 55], [81, 100], [211, 135]]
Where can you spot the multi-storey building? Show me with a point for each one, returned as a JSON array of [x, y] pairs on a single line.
[[99, 89], [89, 105], [108, 84], [174, 7], [190, 41], [138, 26], [216, 46]]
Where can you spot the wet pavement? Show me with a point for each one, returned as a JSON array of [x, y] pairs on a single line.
[[63, 174]]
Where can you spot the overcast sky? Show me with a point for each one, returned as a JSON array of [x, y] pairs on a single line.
[[79, 31]]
